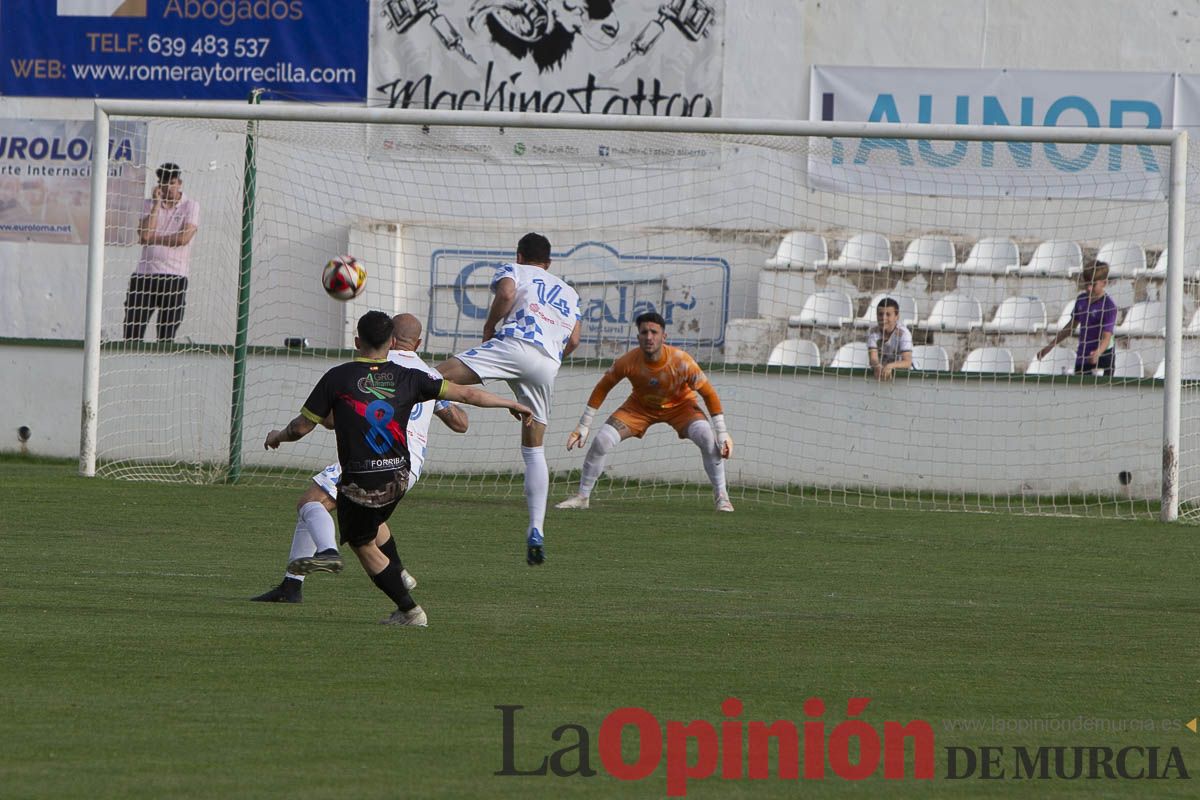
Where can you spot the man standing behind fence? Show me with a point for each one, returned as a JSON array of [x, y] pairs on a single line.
[[160, 281]]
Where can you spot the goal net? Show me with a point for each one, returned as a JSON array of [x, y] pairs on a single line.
[[767, 252]]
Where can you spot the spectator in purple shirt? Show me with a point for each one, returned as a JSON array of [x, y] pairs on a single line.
[[160, 281], [1096, 315]]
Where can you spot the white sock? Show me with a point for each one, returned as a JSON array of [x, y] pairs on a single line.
[[537, 485], [302, 546], [320, 526], [593, 464], [701, 433]]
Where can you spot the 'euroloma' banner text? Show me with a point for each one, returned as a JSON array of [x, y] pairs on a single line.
[[183, 49], [45, 179], [640, 57], [992, 97]]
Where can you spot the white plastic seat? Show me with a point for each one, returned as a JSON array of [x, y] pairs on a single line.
[[930, 253], [1124, 259], [992, 256], [931, 357], [1128, 364], [851, 355], [825, 309], [864, 252], [1190, 370], [1059, 361], [1193, 327], [795, 353], [989, 359], [1191, 260], [1122, 293], [955, 313], [1147, 318], [908, 310], [800, 249], [1056, 259], [1018, 315]]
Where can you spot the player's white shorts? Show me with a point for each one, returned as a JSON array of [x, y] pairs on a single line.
[[525, 367], [327, 479]]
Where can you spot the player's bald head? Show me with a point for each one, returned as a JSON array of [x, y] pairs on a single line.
[[407, 328]]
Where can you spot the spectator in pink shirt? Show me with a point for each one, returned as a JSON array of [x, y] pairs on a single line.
[[161, 278]]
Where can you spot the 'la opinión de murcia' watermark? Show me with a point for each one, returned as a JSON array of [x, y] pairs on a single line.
[[735, 749]]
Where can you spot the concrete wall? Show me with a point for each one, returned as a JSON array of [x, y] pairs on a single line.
[[923, 433]]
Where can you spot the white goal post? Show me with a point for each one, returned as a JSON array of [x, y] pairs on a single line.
[[730, 135]]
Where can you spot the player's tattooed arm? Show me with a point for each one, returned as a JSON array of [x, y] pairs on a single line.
[[297, 429]]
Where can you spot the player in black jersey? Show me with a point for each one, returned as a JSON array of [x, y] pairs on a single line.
[[371, 399]]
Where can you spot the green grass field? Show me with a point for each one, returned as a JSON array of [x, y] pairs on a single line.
[[133, 666]]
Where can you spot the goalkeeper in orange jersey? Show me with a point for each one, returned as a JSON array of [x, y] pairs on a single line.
[[667, 385]]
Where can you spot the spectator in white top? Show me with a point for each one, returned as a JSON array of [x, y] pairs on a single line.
[[160, 281], [889, 344]]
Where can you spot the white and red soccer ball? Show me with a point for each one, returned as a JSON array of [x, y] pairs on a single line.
[[344, 278]]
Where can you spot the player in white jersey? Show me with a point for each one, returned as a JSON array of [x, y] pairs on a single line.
[[533, 323], [314, 525]]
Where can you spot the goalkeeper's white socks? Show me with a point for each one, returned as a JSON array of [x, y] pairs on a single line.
[[701, 433], [537, 485], [593, 464]]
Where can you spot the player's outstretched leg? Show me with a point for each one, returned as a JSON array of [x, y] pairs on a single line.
[[319, 522], [701, 433], [537, 489], [593, 466]]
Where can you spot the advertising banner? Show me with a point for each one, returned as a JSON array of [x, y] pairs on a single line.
[[641, 57], [183, 49], [992, 97], [692, 294], [45, 179]]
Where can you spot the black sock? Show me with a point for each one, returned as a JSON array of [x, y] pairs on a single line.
[[291, 586], [391, 584], [388, 548]]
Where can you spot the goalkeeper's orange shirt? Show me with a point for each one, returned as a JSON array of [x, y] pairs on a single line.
[[671, 381]]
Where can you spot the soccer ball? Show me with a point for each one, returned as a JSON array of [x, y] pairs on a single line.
[[344, 278]]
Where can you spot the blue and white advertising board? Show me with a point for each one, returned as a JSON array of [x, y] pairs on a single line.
[[184, 49]]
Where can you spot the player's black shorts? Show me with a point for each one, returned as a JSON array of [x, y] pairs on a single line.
[[359, 524]]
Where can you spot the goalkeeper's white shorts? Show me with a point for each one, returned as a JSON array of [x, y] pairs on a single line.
[[524, 366]]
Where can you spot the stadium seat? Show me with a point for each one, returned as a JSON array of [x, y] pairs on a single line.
[[955, 313], [988, 359], [1128, 364], [864, 252], [800, 249], [1121, 292], [908, 310], [929, 253], [1124, 259], [931, 357], [1190, 368], [1064, 319], [992, 257], [1147, 318], [1054, 259], [852, 355], [1190, 263], [825, 309], [1059, 361], [1193, 327], [1018, 315], [795, 353]]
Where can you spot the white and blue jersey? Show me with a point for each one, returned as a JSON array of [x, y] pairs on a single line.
[[417, 428], [545, 310]]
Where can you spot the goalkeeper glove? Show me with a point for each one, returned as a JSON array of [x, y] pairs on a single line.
[[580, 434], [724, 440]]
